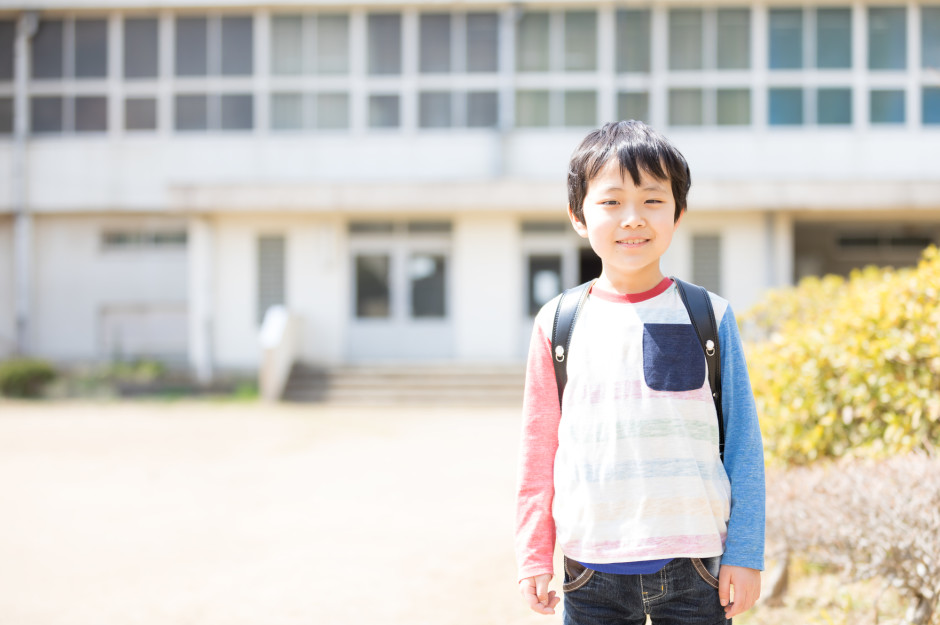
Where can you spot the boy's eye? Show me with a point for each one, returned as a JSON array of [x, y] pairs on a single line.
[[609, 202]]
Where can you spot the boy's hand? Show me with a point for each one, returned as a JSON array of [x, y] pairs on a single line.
[[746, 583], [536, 594]]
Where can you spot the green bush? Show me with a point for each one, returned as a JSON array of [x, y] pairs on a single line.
[[849, 367], [24, 377]]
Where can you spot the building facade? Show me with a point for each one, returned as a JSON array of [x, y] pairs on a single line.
[[395, 173]]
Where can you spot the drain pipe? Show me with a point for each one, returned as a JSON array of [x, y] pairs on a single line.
[[23, 224]]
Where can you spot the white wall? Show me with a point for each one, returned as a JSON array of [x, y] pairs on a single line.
[[7, 305]]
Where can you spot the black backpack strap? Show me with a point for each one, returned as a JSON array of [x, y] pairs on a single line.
[[702, 315], [569, 305]]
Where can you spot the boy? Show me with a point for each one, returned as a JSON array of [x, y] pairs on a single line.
[[626, 473]]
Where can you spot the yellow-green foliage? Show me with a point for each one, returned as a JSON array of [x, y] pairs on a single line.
[[849, 367]]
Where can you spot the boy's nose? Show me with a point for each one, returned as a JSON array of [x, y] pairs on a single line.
[[630, 217]]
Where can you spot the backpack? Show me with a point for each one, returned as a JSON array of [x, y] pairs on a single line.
[[701, 313]]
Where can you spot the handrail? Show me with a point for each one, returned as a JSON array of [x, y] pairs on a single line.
[[278, 338]]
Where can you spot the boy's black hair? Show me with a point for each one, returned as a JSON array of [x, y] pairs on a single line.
[[636, 146]]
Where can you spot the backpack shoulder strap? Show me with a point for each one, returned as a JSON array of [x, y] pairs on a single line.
[[699, 305], [569, 305]]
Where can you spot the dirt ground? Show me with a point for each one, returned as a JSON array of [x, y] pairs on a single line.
[[199, 513]]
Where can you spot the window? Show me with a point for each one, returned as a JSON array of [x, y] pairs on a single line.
[[237, 111], [834, 106], [734, 38], [120, 240], [373, 286], [633, 105], [685, 39], [887, 106], [786, 39], [332, 111], [706, 261], [580, 41], [544, 281], [532, 42], [271, 276], [426, 273], [287, 111], [482, 42], [91, 48], [930, 37], [332, 44], [141, 48], [930, 102], [685, 107], [91, 114], [7, 39], [834, 38], [532, 109], [383, 111], [192, 112], [633, 41], [6, 116], [887, 38], [287, 45], [786, 106], [734, 107], [45, 114], [192, 52], [140, 114], [580, 108], [237, 46], [384, 43], [483, 109], [434, 49], [434, 109], [48, 52]]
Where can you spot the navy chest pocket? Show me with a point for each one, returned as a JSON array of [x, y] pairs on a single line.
[[672, 357]]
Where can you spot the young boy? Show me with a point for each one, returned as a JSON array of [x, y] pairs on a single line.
[[626, 472]]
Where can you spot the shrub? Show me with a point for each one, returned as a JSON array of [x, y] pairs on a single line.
[[849, 367], [24, 377]]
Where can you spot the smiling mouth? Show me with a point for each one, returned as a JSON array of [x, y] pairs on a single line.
[[632, 242]]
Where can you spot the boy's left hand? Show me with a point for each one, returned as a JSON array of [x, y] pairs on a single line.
[[746, 584]]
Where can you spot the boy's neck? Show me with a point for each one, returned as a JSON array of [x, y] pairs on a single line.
[[629, 284]]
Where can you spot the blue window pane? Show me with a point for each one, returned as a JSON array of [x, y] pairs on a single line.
[[786, 38], [834, 38], [887, 38], [786, 106], [930, 37], [834, 106], [931, 105], [887, 106]]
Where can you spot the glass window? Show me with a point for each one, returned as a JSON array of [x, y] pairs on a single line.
[[47, 49], [706, 261], [532, 42], [332, 111], [887, 38], [834, 106], [931, 105], [734, 107], [383, 111], [45, 114], [91, 48], [237, 46], [287, 38], [482, 42], [734, 38], [333, 44], [685, 107], [930, 37], [191, 46], [786, 39], [786, 106], [685, 39], [140, 113], [141, 48], [887, 106], [580, 41], [834, 38], [272, 283], [384, 44], [6, 116], [544, 281], [238, 111], [483, 109], [434, 49], [434, 110], [427, 274], [373, 292], [633, 105], [7, 39], [633, 40], [287, 111], [192, 112], [532, 109], [580, 108], [91, 114]]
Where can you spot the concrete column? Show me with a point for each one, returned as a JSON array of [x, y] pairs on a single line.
[[201, 298]]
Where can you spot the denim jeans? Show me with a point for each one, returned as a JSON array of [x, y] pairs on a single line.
[[684, 592]]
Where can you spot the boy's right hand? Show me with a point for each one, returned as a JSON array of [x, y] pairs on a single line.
[[536, 594]]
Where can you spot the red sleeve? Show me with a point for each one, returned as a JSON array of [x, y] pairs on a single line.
[[541, 413]]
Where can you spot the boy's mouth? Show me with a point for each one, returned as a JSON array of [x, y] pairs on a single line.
[[632, 242]]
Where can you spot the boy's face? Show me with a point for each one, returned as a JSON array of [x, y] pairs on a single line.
[[630, 227]]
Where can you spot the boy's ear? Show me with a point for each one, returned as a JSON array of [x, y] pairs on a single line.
[[578, 226]]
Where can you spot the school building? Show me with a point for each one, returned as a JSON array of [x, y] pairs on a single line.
[[394, 173]]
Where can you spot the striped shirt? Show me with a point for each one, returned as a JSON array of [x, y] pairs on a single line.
[[628, 470]]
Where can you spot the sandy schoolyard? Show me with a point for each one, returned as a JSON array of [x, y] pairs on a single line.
[[201, 513]]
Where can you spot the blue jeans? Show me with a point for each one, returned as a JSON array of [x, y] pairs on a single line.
[[684, 592]]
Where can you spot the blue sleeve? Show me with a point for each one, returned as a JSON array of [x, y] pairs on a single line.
[[744, 453]]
